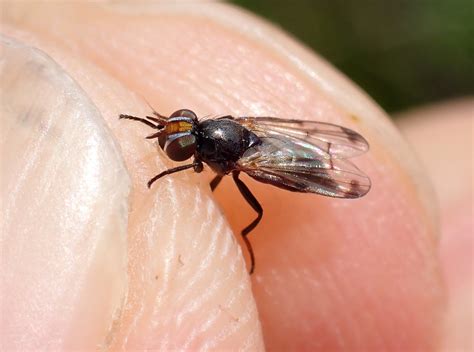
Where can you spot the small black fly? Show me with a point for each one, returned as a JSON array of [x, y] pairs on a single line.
[[296, 155]]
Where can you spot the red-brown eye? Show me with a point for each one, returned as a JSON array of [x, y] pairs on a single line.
[[184, 113], [180, 148], [162, 140]]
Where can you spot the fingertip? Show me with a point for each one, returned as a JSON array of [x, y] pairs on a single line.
[[320, 261]]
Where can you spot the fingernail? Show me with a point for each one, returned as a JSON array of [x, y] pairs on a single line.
[[64, 210]]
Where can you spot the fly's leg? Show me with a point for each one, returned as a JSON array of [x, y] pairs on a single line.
[[250, 198], [139, 119], [215, 182], [197, 165]]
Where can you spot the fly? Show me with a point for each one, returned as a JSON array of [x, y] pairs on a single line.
[[296, 155]]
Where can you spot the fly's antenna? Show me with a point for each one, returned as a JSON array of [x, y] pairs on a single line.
[[157, 114]]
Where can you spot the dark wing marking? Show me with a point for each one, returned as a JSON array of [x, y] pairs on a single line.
[[282, 163], [337, 141]]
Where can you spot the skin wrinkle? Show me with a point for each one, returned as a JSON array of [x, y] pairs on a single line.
[[236, 292], [246, 315], [203, 297], [210, 250], [250, 340], [197, 205], [228, 330], [225, 311], [216, 283], [212, 214], [190, 307], [211, 316], [167, 263], [202, 328], [228, 240], [211, 211], [139, 313], [189, 288], [171, 247]]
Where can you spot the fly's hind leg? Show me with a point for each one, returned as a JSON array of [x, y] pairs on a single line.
[[250, 198]]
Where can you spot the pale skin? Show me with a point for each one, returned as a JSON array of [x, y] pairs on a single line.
[[94, 259]]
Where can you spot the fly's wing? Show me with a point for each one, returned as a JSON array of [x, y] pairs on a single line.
[[287, 164], [339, 142]]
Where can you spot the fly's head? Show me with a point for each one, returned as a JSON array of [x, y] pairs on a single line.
[[177, 137]]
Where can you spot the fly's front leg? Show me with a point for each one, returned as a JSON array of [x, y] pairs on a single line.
[[139, 119], [196, 165], [250, 198]]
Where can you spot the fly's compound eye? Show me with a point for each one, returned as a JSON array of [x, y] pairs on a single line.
[[184, 113], [180, 147], [162, 140]]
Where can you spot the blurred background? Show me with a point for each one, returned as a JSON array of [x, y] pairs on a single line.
[[402, 53]]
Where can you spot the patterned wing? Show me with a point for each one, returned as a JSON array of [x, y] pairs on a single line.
[[298, 167], [337, 141]]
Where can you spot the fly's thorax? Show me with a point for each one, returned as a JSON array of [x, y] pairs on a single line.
[[178, 139], [223, 141]]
